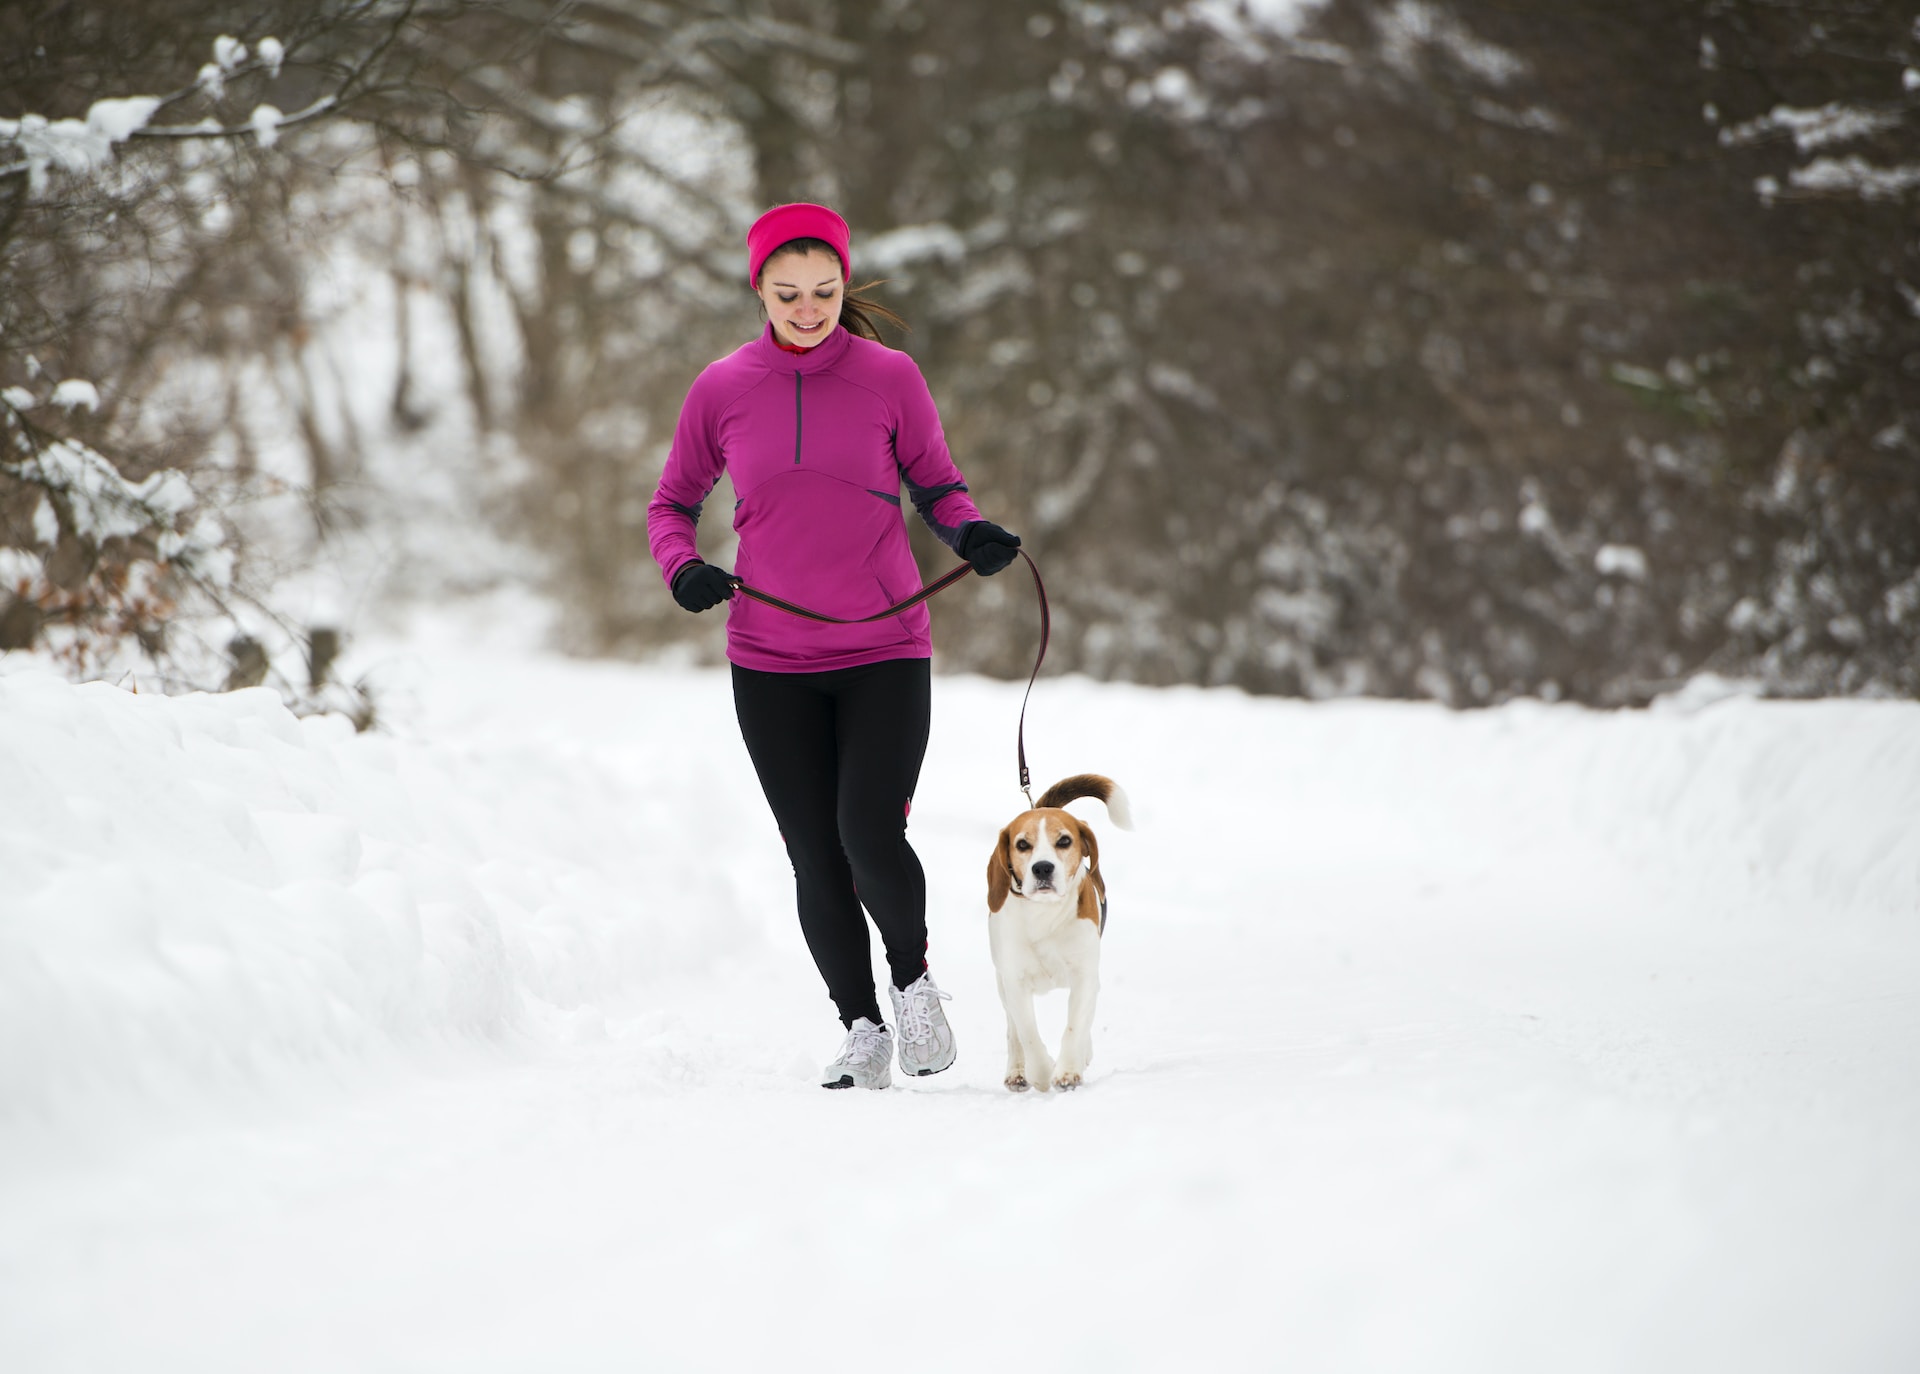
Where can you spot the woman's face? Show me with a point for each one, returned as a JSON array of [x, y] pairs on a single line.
[[803, 293]]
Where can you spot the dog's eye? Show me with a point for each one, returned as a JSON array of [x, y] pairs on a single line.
[[1022, 846], [1063, 843]]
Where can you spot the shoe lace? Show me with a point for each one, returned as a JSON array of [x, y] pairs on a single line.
[[863, 1044], [916, 1011]]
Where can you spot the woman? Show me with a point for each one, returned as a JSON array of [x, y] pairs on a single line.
[[819, 424]]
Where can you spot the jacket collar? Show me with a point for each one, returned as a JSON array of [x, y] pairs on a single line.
[[819, 358]]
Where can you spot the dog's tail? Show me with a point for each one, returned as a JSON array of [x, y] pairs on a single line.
[[1091, 785]]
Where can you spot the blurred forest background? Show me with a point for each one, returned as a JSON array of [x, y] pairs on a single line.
[[1465, 351]]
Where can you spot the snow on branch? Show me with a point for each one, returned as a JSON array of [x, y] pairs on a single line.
[[83, 147], [264, 124], [100, 504], [1413, 25], [76, 146], [1817, 128], [1842, 177]]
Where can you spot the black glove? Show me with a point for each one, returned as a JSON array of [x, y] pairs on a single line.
[[701, 586], [985, 545]]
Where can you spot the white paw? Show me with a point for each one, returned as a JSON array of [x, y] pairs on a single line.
[[1066, 1080], [1017, 1084]]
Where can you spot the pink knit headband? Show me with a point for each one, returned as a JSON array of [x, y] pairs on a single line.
[[784, 224]]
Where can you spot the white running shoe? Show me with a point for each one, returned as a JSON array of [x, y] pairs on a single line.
[[926, 1040], [865, 1060]]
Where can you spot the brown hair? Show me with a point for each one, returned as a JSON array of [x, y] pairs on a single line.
[[858, 313]]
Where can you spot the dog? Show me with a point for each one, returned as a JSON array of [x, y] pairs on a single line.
[[1047, 905]]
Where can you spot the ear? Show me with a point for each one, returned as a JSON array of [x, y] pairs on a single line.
[[1088, 843], [999, 872], [1092, 893]]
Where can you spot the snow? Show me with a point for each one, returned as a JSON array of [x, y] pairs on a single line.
[[272, 52], [1826, 175], [903, 247], [20, 568], [104, 504], [1520, 1039], [1246, 23], [75, 393], [77, 146], [120, 119], [46, 522], [1831, 123], [1644, 378], [1621, 559], [1413, 25], [265, 123]]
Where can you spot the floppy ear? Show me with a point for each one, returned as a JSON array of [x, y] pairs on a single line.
[[1088, 843], [999, 872], [1092, 900], [1093, 892]]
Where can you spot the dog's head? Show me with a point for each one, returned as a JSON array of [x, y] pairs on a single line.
[[1042, 856]]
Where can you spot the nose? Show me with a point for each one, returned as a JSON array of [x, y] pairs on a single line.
[[1043, 870]]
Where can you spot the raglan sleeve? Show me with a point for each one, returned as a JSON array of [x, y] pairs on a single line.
[[693, 469], [934, 483]]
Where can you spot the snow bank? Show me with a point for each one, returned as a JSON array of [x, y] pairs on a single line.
[[1770, 812], [199, 894]]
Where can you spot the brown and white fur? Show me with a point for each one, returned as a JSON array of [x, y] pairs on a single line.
[[1048, 903]]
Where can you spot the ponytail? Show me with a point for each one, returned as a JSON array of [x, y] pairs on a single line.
[[862, 315]]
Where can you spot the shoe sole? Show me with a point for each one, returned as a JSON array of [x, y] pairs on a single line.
[[846, 1081], [929, 1072]]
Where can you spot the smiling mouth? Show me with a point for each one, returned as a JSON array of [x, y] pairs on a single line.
[[799, 328]]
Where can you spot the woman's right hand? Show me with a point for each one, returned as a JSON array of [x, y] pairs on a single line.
[[701, 586]]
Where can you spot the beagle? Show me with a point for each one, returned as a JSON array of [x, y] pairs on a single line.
[[1048, 903]]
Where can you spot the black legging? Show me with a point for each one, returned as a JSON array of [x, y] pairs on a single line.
[[838, 754]]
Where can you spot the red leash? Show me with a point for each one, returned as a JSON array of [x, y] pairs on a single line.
[[934, 588]]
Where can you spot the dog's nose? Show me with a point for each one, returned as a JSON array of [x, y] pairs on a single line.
[[1043, 870]]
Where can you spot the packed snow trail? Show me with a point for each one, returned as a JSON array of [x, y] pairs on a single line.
[[1518, 1040]]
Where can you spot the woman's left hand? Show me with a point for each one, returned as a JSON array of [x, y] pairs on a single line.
[[988, 547]]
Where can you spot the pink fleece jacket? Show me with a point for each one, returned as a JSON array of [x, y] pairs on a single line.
[[817, 446]]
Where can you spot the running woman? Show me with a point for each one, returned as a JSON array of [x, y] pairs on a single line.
[[819, 425]]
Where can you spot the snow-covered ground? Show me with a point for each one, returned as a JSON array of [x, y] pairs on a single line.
[[1532, 1039]]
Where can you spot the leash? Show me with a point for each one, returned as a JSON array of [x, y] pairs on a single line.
[[933, 589]]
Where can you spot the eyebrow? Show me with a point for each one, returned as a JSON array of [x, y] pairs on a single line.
[[817, 285]]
